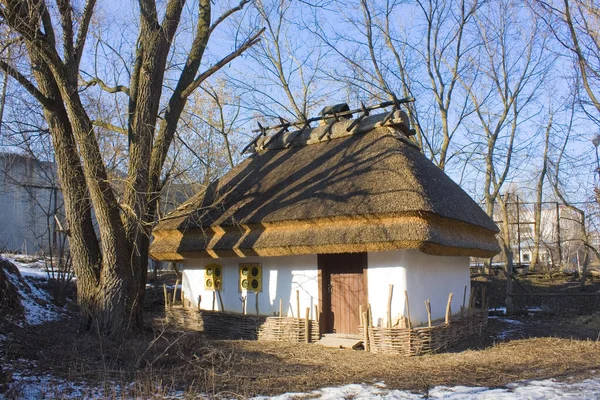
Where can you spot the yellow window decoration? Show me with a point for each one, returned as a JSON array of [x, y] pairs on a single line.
[[213, 277], [250, 277]]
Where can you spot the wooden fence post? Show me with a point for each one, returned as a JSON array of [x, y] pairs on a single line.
[[166, 296], [298, 303], [449, 308], [407, 309], [428, 307], [307, 325], [280, 308], [389, 306]]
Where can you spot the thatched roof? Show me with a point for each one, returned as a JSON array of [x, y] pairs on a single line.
[[369, 189]]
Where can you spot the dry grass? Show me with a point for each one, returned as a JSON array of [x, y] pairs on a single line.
[[160, 359], [188, 361]]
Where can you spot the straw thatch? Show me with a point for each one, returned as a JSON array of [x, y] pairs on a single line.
[[329, 193]]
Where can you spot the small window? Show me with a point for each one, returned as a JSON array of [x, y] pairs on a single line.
[[250, 277], [213, 277]]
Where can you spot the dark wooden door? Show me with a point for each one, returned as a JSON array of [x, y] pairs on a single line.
[[342, 291]]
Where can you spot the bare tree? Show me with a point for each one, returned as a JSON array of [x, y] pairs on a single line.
[[539, 195], [111, 268], [574, 24], [284, 78], [512, 64]]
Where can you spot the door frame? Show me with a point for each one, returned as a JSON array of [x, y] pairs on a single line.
[[324, 279]]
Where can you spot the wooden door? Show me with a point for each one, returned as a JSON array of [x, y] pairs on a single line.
[[342, 291]]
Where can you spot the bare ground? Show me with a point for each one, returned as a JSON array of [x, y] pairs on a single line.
[[538, 345]]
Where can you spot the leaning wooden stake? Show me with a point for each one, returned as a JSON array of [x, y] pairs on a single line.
[[166, 297], [428, 307], [199, 301], [175, 291], [298, 303], [307, 326], [256, 296], [462, 309], [280, 308], [365, 319], [448, 308], [214, 300], [389, 306], [472, 298], [409, 325], [483, 299], [220, 300], [316, 318], [360, 313]]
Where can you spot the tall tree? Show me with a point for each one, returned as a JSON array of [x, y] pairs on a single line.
[[111, 267]]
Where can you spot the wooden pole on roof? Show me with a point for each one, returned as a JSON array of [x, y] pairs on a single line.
[[316, 313], [199, 301], [448, 308], [389, 306], [214, 300]]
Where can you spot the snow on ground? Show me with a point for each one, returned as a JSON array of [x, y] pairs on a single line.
[[49, 387], [36, 302], [547, 389]]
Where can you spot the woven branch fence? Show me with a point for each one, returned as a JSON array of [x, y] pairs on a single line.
[[289, 329], [422, 340], [218, 324]]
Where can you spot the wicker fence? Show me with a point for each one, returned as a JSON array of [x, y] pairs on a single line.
[[422, 340], [217, 324], [289, 329]]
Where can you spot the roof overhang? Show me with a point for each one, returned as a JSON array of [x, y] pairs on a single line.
[[426, 232]]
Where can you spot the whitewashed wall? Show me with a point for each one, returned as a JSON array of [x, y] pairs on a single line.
[[424, 276], [282, 276]]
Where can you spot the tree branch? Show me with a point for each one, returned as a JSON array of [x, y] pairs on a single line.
[[203, 76], [27, 85], [88, 10], [226, 14], [105, 87], [109, 126]]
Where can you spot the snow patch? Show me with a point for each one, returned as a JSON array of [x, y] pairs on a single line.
[[547, 389], [36, 302]]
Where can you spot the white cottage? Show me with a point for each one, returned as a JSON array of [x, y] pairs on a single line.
[[336, 215]]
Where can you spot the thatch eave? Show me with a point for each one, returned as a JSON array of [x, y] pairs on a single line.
[[429, 233]]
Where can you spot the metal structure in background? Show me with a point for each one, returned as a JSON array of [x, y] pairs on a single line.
[[559, 237], [330, 114]]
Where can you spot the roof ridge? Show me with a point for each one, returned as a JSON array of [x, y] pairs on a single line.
[[398, 122]]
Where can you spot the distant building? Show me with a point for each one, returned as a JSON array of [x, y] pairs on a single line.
[[29, 198]]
